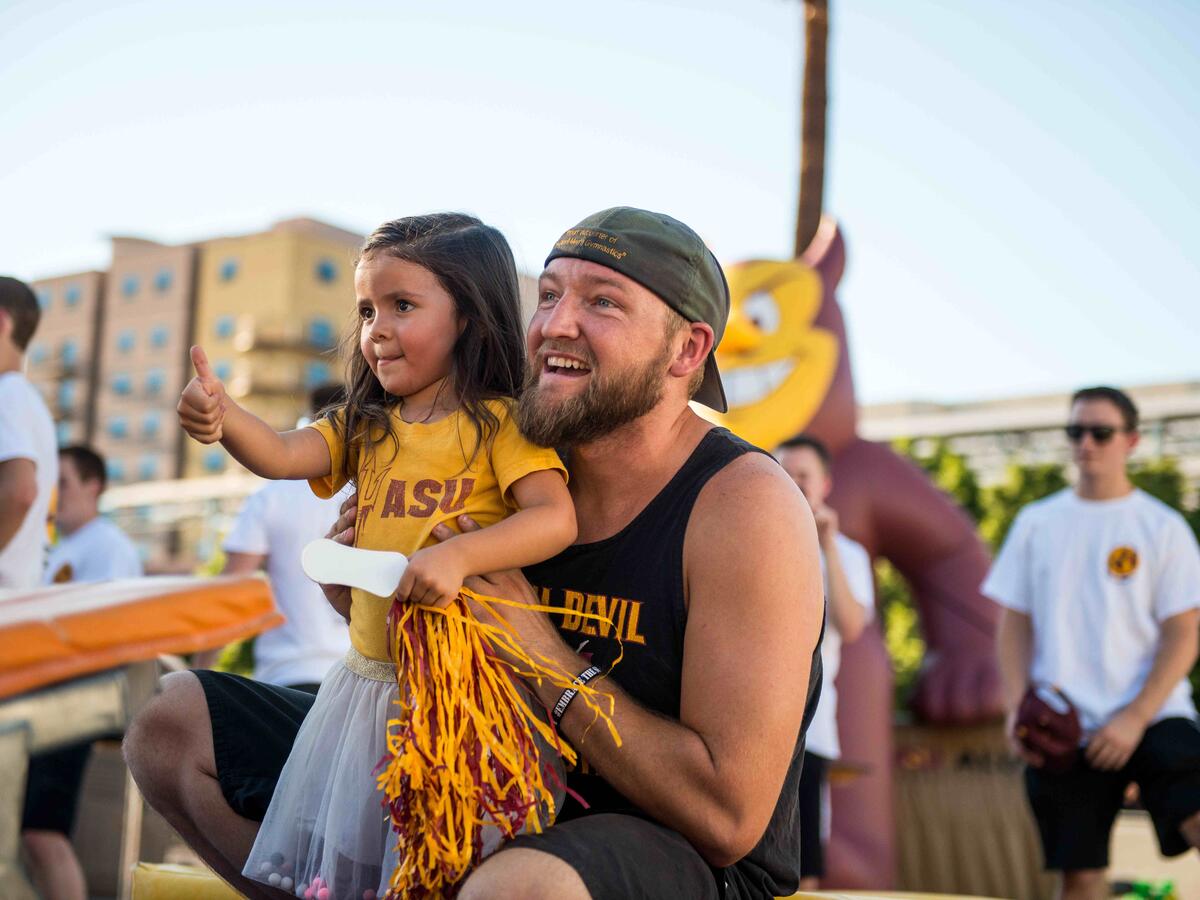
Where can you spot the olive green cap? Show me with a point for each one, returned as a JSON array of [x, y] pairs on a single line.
[[667, 258]]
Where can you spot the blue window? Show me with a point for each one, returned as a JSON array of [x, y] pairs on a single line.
[[122, 383], [326, 271], [315, 373], [118, 427], [116, 470], [228, 270], [126, 340], [62, 433], [38, 354], [66, 395], [155, 379], [223, 369], [147, 468], [159, 335], [225, 326], [320, 333], [43, 298], [130, 285], [214, 460], [69, 352], [150, 423], [162, 281], [73, 295]]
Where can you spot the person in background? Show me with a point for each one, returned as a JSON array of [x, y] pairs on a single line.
[[850, 605], [28, 459], [89, 548], [269, 533], [1101, 589]]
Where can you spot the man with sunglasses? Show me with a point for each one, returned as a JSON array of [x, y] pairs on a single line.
[[1101, 589]]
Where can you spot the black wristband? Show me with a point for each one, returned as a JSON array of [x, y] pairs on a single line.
[[560, 708]]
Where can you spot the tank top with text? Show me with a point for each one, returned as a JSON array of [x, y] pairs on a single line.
[[635, 580]]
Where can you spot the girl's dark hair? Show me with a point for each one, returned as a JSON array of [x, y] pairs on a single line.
[[474, 264]]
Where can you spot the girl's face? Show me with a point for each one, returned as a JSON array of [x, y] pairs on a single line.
[[409, 326]]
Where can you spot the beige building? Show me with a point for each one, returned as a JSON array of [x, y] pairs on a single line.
[[993, 433]]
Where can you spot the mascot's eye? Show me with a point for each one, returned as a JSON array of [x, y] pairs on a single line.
[[763, 311]]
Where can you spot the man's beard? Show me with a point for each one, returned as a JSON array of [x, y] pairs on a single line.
[[605, 405]]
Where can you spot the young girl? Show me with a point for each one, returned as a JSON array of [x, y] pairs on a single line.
[[426, 434]]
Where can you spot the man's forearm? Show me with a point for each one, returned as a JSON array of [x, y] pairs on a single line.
[[663, 765], [1015, 651], [18, 493], [1176, 654], [845, 612], [12, 515]]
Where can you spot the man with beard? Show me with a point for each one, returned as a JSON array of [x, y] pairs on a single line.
[[699, 552]]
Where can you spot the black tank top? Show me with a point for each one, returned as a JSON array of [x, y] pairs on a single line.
[[635, 579]]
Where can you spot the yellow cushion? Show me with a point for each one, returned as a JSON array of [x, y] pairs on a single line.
[[171, 882]]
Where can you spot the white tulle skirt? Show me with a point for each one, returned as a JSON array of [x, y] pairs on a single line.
[[326, 833]]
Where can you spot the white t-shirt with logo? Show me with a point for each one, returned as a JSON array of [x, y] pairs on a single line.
[[27, 432], [278, 520], [856, 563], [97, 551], [1098, 578]]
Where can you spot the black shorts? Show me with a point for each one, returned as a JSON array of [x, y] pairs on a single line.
[[621, 856], [1075, 811], [812, 791], [52, 789], [254, 726]]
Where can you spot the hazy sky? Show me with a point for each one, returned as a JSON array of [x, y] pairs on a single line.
[[1017, 181]]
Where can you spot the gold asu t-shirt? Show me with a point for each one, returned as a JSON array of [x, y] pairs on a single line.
[[423, 478]]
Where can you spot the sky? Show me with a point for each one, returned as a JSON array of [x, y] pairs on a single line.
[[1016, 181]]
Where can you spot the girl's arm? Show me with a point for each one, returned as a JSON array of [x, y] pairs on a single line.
[[209, 415], [544, 525]]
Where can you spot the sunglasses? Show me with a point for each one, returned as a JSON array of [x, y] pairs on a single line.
[[1101, 434]]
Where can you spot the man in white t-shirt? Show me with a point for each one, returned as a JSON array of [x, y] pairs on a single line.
[[89, 548], [850, 605], [28, 450], [1101, 589], [270, 532]]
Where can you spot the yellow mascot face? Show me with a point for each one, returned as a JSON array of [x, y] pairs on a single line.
[[776, 365]]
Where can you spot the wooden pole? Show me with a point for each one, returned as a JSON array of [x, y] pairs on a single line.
[[812, 123]]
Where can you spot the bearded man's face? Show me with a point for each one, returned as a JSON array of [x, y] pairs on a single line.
[[609, 399]]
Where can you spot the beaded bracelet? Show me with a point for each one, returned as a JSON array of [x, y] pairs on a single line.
[[560, 708]]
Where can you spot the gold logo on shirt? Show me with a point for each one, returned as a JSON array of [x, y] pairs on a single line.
[[1122, 562]]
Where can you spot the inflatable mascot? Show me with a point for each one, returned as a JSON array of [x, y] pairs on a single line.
[[786, 370]]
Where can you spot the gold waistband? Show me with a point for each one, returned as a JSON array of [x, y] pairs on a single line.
[[372, 669]]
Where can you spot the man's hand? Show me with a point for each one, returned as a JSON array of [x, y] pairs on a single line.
[[1115, 742], [202, 407], [434, 575], [342, 531], [1018, 749], [826, 519]]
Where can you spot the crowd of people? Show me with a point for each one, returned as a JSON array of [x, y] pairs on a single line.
[[564, 466]]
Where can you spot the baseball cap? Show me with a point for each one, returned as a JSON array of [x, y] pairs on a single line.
[[667, 258]]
